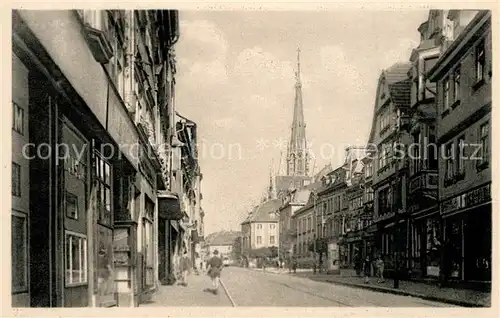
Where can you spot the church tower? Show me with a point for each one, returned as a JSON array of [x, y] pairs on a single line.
[[297, 156]]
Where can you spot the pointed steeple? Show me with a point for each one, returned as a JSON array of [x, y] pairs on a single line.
[[271, 191], [297, 157]]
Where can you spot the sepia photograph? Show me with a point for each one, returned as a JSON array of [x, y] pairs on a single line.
[[169, 157]]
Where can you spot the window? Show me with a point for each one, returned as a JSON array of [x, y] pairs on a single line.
[[428, 91], [117, 63], [272, 239], [369, 169], [259, 226], [449, 161], [16, 179], [17, 118], [259, 239], [76, 259], [103, 187], [71, 206], [19, 252], [272, 226], [384, 155], [415, 148], [456, 85], [432, 150], [480, 62], [484, 152], [461, 155], [368, 194], [446, 98]]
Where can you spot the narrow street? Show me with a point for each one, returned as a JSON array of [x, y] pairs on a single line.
[[252, 288]]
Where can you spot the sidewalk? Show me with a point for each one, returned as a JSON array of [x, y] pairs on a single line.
[[195, 294], [347, 277]]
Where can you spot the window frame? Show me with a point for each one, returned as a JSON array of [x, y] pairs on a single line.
[[460, 160], [68, 195], [98, 163], [16, 110], [16, 191], [84, 262], [449, 161], [484, 140], [456, 85], [480, 60], [446, 94], [259, 239], [25, 288]]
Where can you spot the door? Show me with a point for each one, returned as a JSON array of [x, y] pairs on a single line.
[[74, 150], [103, 249]]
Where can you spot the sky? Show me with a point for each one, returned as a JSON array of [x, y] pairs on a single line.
[[235, 79]]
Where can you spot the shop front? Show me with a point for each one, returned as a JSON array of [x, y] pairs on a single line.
[[169, 212], [468, 235], [425, 242]]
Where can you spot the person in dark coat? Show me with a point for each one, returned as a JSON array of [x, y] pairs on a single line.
[[214, 268], [367, 266]]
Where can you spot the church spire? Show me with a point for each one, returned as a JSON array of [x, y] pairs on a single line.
[[271, 193], [297, 157]]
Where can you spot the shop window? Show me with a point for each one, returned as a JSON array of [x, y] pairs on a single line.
[[76, 259], [103, 187], [16, 179], [19, 252], [17, 118]]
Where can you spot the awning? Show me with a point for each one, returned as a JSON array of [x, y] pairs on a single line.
[[169, 207]]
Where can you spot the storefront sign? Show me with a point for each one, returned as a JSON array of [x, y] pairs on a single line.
[[467, 200]]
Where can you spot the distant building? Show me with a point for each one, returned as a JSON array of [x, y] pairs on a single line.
[[261, 228], [223, 242]]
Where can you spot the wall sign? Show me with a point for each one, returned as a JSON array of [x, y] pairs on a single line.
[[469, 199]]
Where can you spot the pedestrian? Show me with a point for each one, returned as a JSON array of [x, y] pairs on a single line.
[[185, 267], [294, 264], [367, 268], [214, 268], [379, 265], [358, 264]]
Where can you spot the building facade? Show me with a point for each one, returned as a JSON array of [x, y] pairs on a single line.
[[463, 77], [304, 222], [390, 167], [424, 236], [261, 228], [90, 87]]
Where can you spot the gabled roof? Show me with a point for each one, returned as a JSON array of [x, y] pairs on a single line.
[[400, 93], [264, 212], [222, 238], [398, 72]]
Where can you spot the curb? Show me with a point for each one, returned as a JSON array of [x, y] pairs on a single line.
[[461, 303]]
